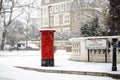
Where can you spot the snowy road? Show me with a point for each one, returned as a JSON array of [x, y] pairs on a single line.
[[10, 59]]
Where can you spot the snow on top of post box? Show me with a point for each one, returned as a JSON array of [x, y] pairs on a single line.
[[47, 30]]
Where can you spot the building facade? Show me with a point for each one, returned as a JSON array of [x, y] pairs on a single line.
[[58, 14]]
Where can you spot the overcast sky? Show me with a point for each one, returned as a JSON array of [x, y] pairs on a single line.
[[35, 12]]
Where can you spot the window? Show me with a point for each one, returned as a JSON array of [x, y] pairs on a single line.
[[56, 8], [45, 21], [51, 9], [56, 20], [61, 19], [68, 6], [66, 19], [52, 21], [44, 10], [67, 30], [62, 7]]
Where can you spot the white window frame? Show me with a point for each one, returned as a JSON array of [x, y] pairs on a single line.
[[67, 30], [68, 6], [56, 20], [62, 7], [56, 8], [66, 17], [45, 10]]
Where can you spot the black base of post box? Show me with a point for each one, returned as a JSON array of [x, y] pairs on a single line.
[[51, 62], [44, 62], [47, 62]]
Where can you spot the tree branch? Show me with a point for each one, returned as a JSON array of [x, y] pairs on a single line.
[[11, 9], [4, 12]]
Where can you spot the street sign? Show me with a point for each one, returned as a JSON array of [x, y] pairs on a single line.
[[96, 44]]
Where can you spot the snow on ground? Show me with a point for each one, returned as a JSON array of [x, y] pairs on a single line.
[[11, 73], [33, 59]]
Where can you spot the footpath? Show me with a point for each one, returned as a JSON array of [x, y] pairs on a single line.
[[102, 74], [63, 65]]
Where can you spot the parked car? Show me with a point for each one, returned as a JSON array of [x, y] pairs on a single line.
[[18, 47], [30, 47]]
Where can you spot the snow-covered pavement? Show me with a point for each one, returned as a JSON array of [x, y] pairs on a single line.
[[32, 59]]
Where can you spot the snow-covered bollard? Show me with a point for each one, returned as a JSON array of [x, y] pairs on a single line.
[[47, 47]]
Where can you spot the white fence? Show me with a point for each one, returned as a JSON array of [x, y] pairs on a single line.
[[79, 51]]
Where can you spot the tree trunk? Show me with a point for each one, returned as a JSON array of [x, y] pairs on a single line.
[[114, 21], [3, 39], [1, 5]]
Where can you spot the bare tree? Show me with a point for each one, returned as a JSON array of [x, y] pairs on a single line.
[[7, 14], [15, 32], [31, 6], [27, 19], [79, 7], [90, 9]]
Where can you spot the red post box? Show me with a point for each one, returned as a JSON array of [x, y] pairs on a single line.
[[47, 47]]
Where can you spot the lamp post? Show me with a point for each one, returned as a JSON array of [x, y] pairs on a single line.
[[114, 67], [49, 15]]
